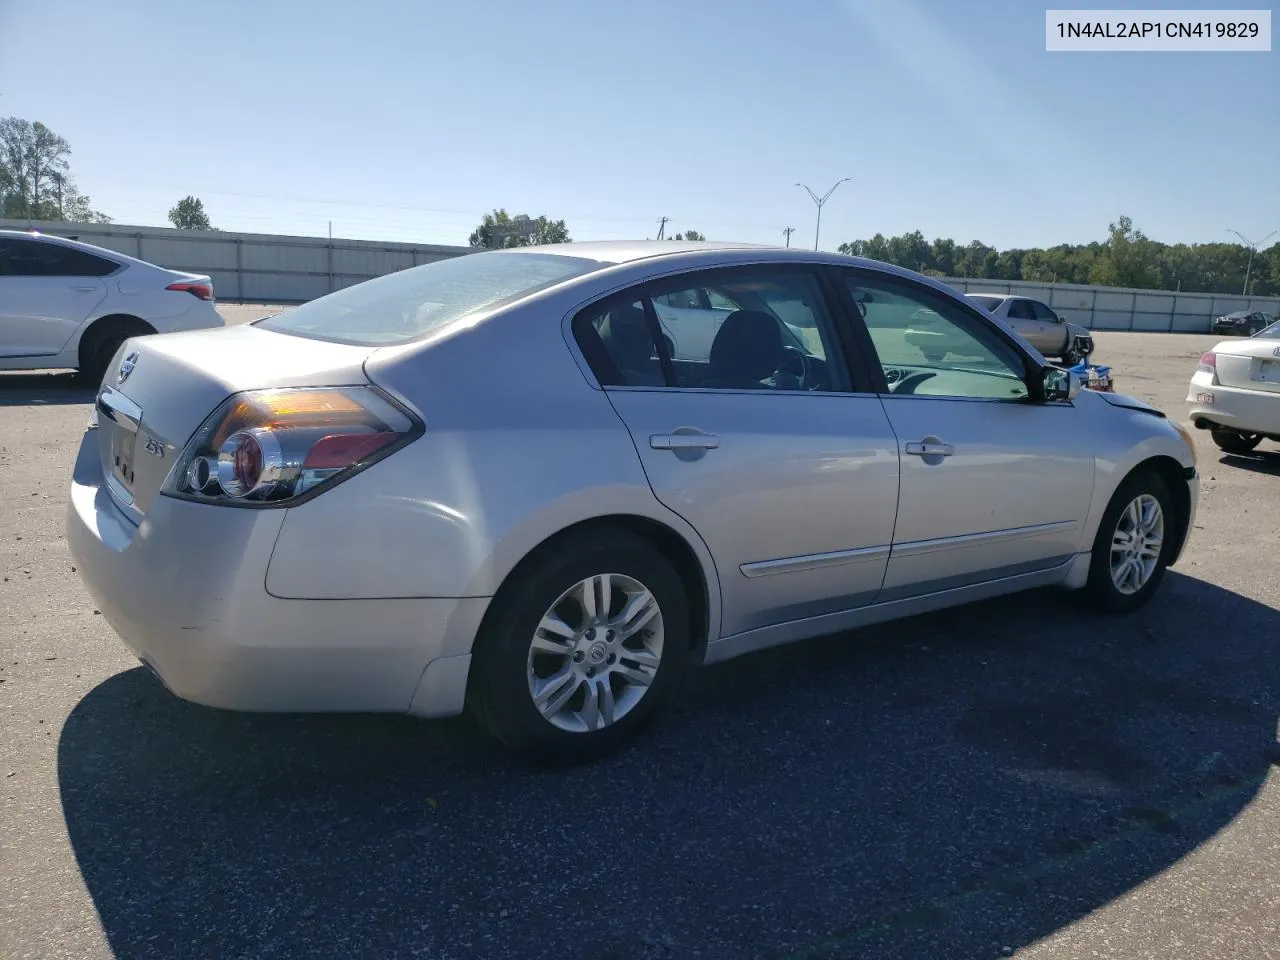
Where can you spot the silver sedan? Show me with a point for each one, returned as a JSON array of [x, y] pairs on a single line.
[[488, 481]]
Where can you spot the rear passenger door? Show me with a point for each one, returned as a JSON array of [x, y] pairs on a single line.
[[777, 453]]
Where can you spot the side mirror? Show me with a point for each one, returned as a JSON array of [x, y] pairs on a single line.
[[1060, 385], [1060, 318]]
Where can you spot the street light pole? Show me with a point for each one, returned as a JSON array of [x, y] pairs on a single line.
[[1253, 248], [819, 201]]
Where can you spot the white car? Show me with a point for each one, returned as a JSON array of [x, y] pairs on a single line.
[[1235, 391], [65, 304]]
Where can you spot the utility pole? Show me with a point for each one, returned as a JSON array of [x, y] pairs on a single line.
[[819, 201], [788, 231], [662, 228], [1253, 248]]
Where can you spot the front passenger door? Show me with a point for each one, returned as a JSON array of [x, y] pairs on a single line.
[[1022, 317], [993, 483]]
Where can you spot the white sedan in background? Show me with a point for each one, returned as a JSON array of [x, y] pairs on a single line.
[[1235, 391], [66, 304]]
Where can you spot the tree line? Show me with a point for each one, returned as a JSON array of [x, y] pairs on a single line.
[[1126, 258]]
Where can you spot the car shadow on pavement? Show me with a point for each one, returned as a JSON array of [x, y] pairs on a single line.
[[45, 389], [944, 787], [1260, 461]]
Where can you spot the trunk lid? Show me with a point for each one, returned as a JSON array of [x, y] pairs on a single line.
[[159, 389], [1249, 364]]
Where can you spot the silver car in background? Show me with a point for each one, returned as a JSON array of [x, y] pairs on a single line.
[[487, 481], [1034, 321]]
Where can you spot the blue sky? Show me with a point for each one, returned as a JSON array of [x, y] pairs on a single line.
[[407, 120]]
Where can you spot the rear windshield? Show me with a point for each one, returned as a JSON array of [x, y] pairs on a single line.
[[409, 304], [986, 303]]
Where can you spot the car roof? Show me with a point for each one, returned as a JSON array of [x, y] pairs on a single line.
[[986, 293]]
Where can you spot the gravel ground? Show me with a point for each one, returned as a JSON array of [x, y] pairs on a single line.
[[1014, 777]]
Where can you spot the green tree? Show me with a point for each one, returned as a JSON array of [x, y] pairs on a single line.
[[188, 214], [1128, 258], [35, 175], [689, 235], [499, 230]]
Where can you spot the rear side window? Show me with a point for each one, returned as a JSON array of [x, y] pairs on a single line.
[[1021, 310], [986, 303], [406, 306], [33, 258], [738, 329]]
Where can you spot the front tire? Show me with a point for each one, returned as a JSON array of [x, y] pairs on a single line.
[[1135, 544], [582, 649], [1234, 442]]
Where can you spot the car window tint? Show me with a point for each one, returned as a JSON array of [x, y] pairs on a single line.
[[929, 345], [1042, 312], [617, 341], [32, 258], [1021, 310]]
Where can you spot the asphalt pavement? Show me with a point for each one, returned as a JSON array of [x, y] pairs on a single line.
[[1015, 777]]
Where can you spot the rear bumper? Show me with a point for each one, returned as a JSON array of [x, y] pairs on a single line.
[[185, 591], [1250, 411]]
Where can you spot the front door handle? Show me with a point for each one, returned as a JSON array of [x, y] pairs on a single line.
[[85, 289], [684, 441], [929, 448]]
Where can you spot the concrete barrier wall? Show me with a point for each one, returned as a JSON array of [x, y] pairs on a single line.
[[262, 268]]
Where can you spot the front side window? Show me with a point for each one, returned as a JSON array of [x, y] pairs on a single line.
[[409, 304], [1042, 312], [1021, 310], [928, 345], [727, 330]]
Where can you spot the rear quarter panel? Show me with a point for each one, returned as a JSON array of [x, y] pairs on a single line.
[[518, 445]]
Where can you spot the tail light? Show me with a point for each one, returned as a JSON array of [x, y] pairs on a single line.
[[1208, 363], [281, 447], [200, 289]]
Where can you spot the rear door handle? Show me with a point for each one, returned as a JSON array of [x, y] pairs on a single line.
[[683, 441], [929, 448], [85, 289]]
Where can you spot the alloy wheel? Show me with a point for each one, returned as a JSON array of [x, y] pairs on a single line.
[[595, 652], [1136, 544]]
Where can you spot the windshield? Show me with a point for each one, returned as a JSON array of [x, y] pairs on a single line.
[[409, 304], [987, 303]]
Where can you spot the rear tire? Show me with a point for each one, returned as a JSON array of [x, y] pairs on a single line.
[[100, 343], [569, 666], [1135, 544], [1232, 441]]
